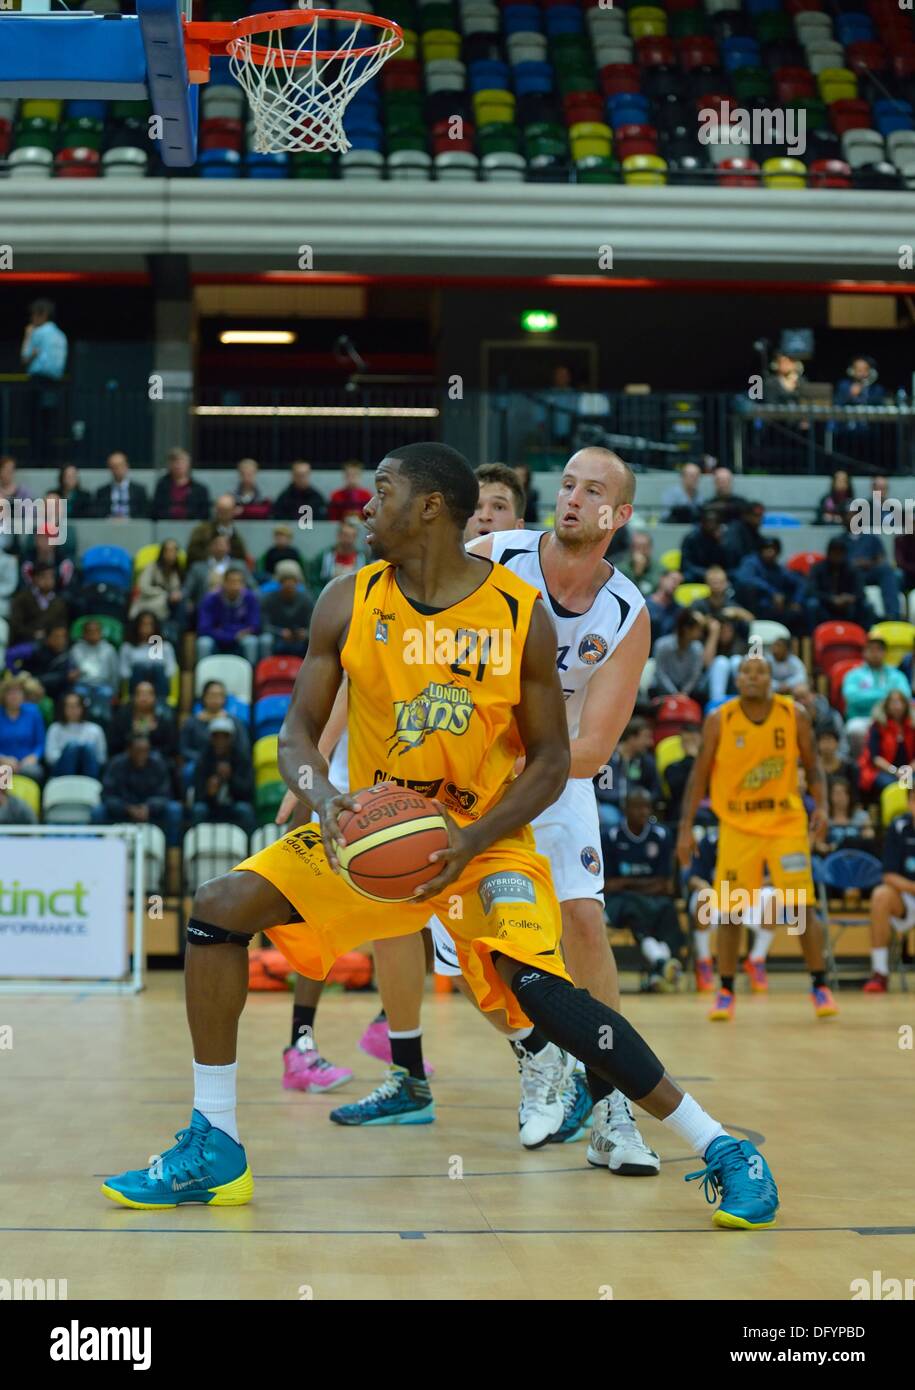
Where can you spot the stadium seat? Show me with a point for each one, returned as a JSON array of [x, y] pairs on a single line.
[[899, 638], [69, 800], [647, 678], [112, 628], [209, 850], [234, 672], [275, 675], [154, 855], [266, 752], [836, 641], [804, 561], [669, 750], [672, 713], [686, 594], [269, 713], [894, 801], [837, 674], [767, 631], [267, 799], [26, 790], [107, 564], [266, 835], [670, 560]]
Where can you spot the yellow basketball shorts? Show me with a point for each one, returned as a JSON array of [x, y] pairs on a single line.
[[743, 857], [504, 902]]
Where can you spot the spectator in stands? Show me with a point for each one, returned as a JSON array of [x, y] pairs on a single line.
[[788, 671], [821, 714], [850, 827], [721, 602], [863, 686], [207, 575], [890, 745], [904, 555], [144, 714], [96, 662], [725, 501], [281, 549], [345, 557], [136, 789], [159, 590], [638, 888], [44, 356], [52, 662], [730, 649], [75, 746], [892, 902], [147, 655], [836, 502], [743, 536], [682, 658], [531, 495], [121, 499], [11, 490], [22, 733], [662, 606], [250, 502], [41, 548], [677, 773], [78, 500], [350, 499], [558, 406], [300, 501], [769, 589], [702, 547], [835, 591], [834, 764], [229, 620], [222, 524], [783, 385], [867, 556], [632, 764], [14, 811], [195, 731], [286, 613], [177, 496], [37, 607], [681, 502], [859, 385], [639, 564], [223, 780]]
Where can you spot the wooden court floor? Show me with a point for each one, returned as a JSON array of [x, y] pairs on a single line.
[[94, 1085]]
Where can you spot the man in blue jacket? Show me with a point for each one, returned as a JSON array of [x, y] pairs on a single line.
[[229, 620], [768, 589]]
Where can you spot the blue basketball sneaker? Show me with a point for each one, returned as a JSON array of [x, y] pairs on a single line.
[[205, 1165], [401, 1099], [736, 1172], [577, 1107]]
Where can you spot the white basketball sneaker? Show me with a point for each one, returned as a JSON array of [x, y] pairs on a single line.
[[544, 1076], [615, 1140]]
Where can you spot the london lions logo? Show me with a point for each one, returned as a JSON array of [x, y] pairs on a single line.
[[591, 859], [439, 709], [592, 649]]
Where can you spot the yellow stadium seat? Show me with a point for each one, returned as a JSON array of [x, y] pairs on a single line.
[[148, 553], [838, 77], [433, 36], [493, 96], [784, 173], [494, 115], [266, 751], [645, 170], [586, 148], [685, 594], [590, 130], [899, 638], [669, 750], [27, 791], [831, 92], [268, 773], [41, 109], [647, 28], [670, 560], [894, 801]]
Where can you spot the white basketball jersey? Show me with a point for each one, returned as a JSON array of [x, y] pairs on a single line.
[[585, 641]]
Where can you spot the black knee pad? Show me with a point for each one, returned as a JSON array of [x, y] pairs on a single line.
[[205, 934], [591, 1031]]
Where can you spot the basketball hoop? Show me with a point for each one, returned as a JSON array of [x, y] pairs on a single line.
[[298, 94]]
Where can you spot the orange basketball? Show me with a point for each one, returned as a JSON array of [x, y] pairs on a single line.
[[384, 848]]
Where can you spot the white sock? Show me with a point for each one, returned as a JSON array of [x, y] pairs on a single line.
[[214, 1096], [691, 1122], [880, 960], [703, 939], [411, 1033], [521, 1034], [761, 943], [655, 951]]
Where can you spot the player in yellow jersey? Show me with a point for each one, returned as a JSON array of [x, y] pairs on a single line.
[[457, 726], [748, 761]]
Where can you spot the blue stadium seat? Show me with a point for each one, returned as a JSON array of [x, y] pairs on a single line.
[[269, 713], [108, 564]]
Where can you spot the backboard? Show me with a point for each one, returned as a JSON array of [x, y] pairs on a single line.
[[105, 57]]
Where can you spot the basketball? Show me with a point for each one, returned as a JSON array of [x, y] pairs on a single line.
[[384, 848]]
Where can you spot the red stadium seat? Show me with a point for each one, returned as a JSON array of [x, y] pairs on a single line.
[[866, 56], [738, 173], [903, 61], [656, 51], [805, 561], [829, 173], [275, 675], [850, 114], [836, 677], [673, 712], [616, 78], [833, 642], [697, 52]]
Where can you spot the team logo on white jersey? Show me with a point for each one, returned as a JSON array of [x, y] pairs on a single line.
[[591, 859], [592, 649]]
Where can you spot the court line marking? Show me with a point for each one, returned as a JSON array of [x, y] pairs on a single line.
[[441, 1231]]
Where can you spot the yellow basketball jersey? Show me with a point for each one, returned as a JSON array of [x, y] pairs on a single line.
[[754, 775], [432, 694]]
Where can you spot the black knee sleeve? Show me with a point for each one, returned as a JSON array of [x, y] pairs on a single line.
[[205, 934], [591, 1031]]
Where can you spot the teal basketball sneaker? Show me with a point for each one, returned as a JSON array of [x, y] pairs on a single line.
[[401, 1099], [577, 1106], [736, 1172], [205, 1165]]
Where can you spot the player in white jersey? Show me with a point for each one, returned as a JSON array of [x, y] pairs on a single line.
[[603, 639]]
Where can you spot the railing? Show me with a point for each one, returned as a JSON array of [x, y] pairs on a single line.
[[328, 425]]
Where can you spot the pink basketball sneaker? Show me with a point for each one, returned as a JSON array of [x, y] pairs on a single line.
[[377, 1044], [304, 1069]]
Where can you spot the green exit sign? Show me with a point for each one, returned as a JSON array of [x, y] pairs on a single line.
[[539, 321]]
